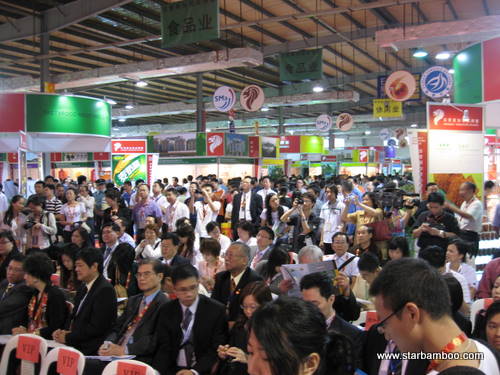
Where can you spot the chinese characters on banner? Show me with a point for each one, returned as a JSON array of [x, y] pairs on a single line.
[[387, 108], [305, 64], [418, 157], [189, 21]]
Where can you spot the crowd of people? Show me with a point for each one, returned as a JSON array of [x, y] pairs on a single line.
[[189, 278]]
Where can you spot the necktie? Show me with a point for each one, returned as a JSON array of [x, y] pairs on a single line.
[[107, 252], [7, 290], [85, 291], [233, 286], [243, 206], [188, 315], [188, 346], [395, 364]]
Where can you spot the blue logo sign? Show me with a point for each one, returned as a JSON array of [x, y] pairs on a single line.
[[224, 98], [436, 82]]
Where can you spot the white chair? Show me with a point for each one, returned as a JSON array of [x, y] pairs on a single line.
[[477, 306], [112, 367], [27, 367], [61, 354]]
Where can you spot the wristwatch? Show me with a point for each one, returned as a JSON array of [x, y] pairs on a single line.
[[441, 233]]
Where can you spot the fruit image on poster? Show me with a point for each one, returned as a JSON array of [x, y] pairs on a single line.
[[450, 184], [129, 167]]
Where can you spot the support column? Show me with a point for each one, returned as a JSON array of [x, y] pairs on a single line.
[[201, 123], [44, 50], [281, 124]]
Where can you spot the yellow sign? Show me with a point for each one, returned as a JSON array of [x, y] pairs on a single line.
[[387, 108]]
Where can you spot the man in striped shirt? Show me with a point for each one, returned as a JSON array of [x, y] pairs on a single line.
[[52, 204]]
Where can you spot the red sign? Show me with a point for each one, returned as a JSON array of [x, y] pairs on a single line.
[[371, 319], [101, 156], [67, 362], [363, 156], [56, 156], [422, 159], [23, 141], [124, 368], [491, 56], [12, 112], [215, 144], [290, 144], [329, 158], [128, 146], [12, 157], [253, 146], [28, 349], [150, 169], [454, 117]]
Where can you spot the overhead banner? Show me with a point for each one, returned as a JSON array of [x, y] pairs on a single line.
[[387, 108], [455, 147], [189, 21], [129, 167], [183, 144], [299, 65]]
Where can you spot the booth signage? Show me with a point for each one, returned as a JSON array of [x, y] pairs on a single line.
[[387, 108], [12, 112], [324, 123], [101, 156], [129, 167], [128, 146], [215, 144], [224, 98], [189, 21], [329, 158], [305, 64], [67, 114], [344, 122], [400, 85], [290, 144], [236, 145], [252, 98], [381, 80], [455, 117], [269, 147], [254, 146], [436, 82]]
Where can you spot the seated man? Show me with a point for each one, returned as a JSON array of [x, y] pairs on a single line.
[[14, 297], [135, 330], [189, 329], [413, 303], [169, 246], [95, 306]]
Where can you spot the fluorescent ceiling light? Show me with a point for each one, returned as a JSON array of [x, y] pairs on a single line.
[[141, 83], [129, 106], [413, 126], [121, 120], [110, 101], [265, 109], [420, 53], [318, 88], [451, 71], [462, 57], [444, 55]]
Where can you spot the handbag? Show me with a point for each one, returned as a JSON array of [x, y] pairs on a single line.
[[381, 230]]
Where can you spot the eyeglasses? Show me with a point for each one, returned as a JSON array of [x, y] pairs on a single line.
[[143, 274], [381, 325], [186, 290]]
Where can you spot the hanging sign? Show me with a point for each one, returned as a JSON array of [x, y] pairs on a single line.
[[344, 122], [387, 108], [252, 98], [455, 117], [224, 98], [215, 144], [231, 114], [436, 82], [189, 21], [381, 80], [324, 123], [128, 146], [299, 65], [400, 86], [385, 134]]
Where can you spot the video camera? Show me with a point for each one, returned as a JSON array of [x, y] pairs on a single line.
[[392, 198]]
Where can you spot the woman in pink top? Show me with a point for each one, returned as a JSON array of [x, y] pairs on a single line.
[[211, 264]]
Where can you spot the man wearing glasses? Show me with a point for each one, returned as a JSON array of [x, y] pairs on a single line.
[[412, 301]]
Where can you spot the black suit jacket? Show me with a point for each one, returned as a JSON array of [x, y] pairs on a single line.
[[177, 260], [222, 288], [56, 314], [14, 306], [209, 331], [255, 209], [5, 263], [94, 321], [374, 344], [354, 334], [144, 343], [347, 307]]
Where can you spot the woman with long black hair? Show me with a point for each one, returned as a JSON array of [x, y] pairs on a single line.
[[272, 213], [14, 219]]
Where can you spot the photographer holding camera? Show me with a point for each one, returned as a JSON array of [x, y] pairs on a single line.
[[40, 225]]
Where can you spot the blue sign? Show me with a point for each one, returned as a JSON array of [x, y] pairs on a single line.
[[224, 98], [436, 82]]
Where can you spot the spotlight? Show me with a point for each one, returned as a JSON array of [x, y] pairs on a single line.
[[420, 53], [318, 88], [141, 83], [444, 55]]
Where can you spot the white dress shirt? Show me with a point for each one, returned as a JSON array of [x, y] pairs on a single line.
[[245, 213], [475, 209]]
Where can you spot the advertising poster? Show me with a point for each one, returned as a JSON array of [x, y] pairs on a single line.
[[236, 145], [129, 167], [311, 144], [455, 147], [269, 147], [182, 144], [254, 146], [418, 157], [215, 144]]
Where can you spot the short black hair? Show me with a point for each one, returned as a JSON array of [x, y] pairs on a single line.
[[50, 186], [155, 263], [90, 256], [429, 184], [184, 272], [318, 280], [399, 242], [489, 184], [40, 182], [368, 262], [39, 266], [172, 236], [37, 201], [269, 231], [17, 257], [115, 227], [434, 255], [435, 198], [333, 188], [493, 310], [412, 280], [462, 247], [338, 234], [172, 190], [211, 226], [209, 186], [247, 226], [471, 186], [455, 290]]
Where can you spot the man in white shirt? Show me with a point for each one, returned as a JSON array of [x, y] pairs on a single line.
[[158, 196], [175, 209], [213, 231], [266, 189], [206, 210], [331, 217], [340, 245], [110, 233]]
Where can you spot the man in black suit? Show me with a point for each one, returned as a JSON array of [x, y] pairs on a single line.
[[229, 283], [14, 297], [318, 289], [246, 206], [8, 249], [95, 306], [169, 246], [135, 330], [189, 329], [110, 235]]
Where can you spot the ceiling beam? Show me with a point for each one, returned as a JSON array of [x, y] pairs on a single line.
[[57, 18]]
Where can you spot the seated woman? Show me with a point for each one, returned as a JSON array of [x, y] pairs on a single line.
[[457, 298], [289, 336], [69, 280], [47, 310], [246, 231], [150, 245], [397, 248], [493, 325], [480, 326], [234, 354], [81, 238], [123, 278], [270, 269], [189, 247], [272, 213], [456, 256], [116, 209], [211, 264]]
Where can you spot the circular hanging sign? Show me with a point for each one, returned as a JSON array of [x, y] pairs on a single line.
[[224, 98], [385, 134], [436, 82], [252, 98], [345, 122], [400, 86], [324, 123]]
